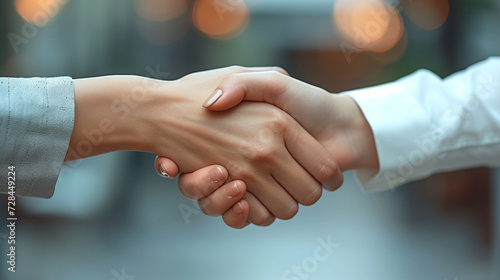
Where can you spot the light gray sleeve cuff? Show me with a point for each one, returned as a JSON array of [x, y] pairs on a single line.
[[36, 122]]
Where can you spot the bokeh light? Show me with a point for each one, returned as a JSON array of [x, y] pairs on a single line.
[[427, 14], [38, 12], [161, 22], [160, 10], [220, 19], [368, 25], [393, 54]]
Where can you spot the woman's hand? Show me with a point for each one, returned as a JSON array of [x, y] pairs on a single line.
[[336, 121], [211, 187], [280, 163], [259, 144]]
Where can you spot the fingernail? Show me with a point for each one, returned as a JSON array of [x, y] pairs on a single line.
[[163, 172], [232, 191], [216, 175], [237, 209], [212, 98]]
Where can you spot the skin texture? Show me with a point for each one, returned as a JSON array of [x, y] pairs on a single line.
[[335, 121], [280, 164]]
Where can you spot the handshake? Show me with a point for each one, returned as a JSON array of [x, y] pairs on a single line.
[[251, 143]]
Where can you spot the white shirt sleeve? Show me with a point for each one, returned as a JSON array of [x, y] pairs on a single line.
[[36, 122], [424, 124]]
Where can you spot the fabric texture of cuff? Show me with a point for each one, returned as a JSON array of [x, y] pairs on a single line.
[[403, 131], [36, 123]]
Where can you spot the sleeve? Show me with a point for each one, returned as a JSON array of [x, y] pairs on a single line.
[[36, 122], [424, 124]]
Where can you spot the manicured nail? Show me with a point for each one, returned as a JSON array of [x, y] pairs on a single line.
[[237, 209], [163, 172], [232, 191], [212, 98], [216, 175]]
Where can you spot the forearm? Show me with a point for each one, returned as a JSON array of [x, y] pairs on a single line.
[[108, 115]]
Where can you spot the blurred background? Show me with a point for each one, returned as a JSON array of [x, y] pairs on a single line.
[[113, 218]]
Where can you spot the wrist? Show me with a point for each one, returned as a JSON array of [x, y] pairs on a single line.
[[107, 111], [364, 150]]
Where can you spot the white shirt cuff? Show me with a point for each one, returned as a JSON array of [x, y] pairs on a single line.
[[402, 129]]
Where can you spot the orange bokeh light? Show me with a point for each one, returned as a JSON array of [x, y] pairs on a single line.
[[38, 12], [427, 14], [220, 19], [393, 54], [160, 10], [368, 25]]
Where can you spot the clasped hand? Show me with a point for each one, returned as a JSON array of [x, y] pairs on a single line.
[[262, 162]]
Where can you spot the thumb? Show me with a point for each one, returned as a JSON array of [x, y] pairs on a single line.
[[265, 86], [166, 167]]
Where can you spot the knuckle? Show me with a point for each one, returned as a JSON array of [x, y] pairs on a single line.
[[279, 69], [236, 68], [233, 223], [279, 123], [196, 188], [233, 77], [262, 219], [237, 226], [292, 210], [262, 152], [278, 79], [337, 183], [209, 189], [237, 169], [260, 149], [275, 74], [328, 168], [187, 190], [313, 196], [267, 144], [276, 85], [205, 208]]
